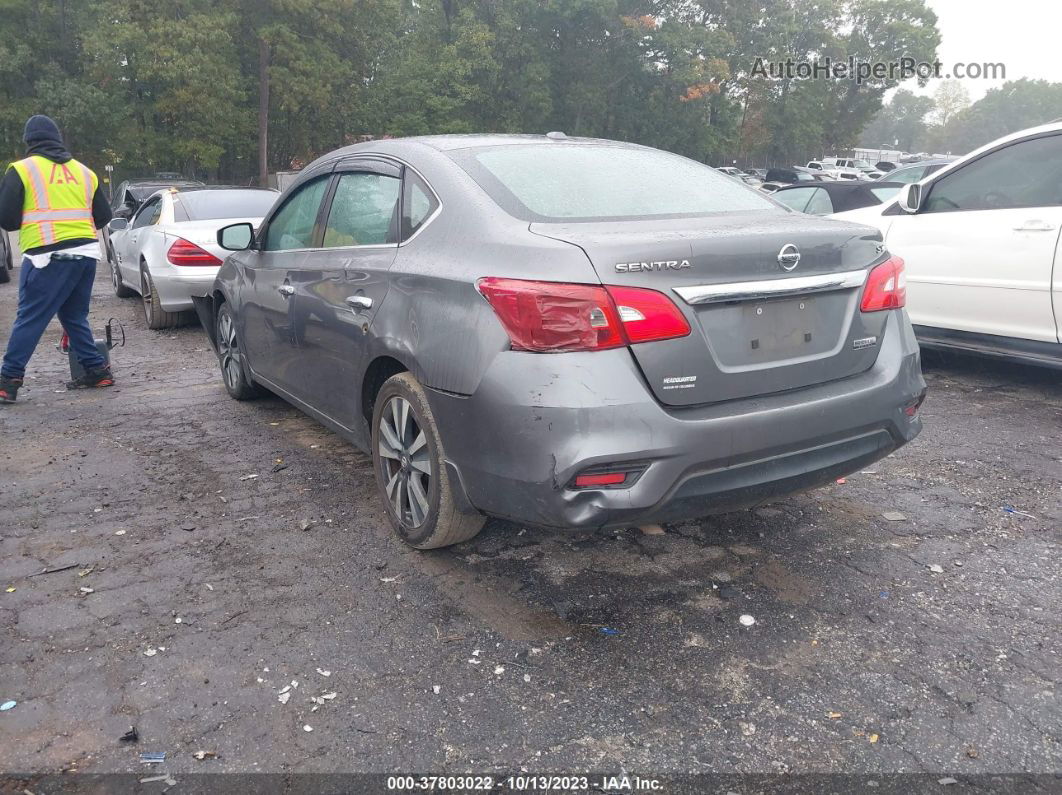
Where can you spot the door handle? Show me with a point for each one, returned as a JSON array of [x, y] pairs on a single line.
[[286, 290], [359, 302], [1034, 226]]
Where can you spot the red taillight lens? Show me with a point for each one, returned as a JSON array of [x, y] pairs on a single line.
[[886, 287], [185, 252], [648, 315], [552, 317]]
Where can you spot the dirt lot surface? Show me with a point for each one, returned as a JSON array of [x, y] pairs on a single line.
[[236, 549]]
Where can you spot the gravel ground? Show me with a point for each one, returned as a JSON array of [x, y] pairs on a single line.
[[235, 549]]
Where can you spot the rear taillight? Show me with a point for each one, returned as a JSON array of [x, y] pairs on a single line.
[[185, 252], [552, 317], [886, 287]]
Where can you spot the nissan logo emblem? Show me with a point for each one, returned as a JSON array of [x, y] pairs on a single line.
[[789, 257]]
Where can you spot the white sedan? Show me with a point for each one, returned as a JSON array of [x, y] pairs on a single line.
[[980, 239], [169, 251]]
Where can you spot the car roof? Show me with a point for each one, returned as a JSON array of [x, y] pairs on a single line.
[[404, 147], [844, 187]]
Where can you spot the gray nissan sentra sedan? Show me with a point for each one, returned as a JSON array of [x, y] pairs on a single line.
[[566, 332]]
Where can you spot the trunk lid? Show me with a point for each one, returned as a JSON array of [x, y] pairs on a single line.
[[757, 328]]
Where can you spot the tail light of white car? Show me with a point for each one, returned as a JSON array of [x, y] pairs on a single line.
[[886, 287], [185, 252], [555, 317]]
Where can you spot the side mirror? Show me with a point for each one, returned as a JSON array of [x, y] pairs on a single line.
[[117, 224], [910, 198], [236, 237]]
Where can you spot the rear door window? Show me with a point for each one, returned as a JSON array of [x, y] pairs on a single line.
[[419, 204]]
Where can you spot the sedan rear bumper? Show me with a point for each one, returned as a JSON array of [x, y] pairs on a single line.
[[176, 285], [536, 421]]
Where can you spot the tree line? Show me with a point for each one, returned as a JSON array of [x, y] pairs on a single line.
[[228, 89], [948, 123]]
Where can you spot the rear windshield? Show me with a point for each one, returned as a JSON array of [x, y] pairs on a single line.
[[572, 182], [199, 205]]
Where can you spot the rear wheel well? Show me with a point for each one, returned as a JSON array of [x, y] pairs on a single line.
[[379, 371]]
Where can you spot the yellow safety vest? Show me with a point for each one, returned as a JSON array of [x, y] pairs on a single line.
[[58, 201]]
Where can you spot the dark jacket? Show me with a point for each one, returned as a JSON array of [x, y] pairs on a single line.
[[12, 197]]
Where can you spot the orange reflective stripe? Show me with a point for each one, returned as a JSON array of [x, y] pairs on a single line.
[[40, 194]]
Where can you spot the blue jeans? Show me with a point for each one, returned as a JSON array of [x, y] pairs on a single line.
[[63, 288]]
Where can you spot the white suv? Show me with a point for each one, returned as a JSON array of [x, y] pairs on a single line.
[[981, 241]]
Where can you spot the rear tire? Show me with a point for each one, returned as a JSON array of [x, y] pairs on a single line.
[[154, 314], [120, 289], [409, 464], [234, 371]]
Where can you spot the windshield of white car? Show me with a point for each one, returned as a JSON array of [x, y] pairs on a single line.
[[573, 182], [199, 205]]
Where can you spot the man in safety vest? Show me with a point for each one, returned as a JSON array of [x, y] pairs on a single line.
[[56, 205]]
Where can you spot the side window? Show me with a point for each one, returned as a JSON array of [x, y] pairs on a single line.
[[820, 203], [149, 214], [119, 197], [1025, 174], [418, 204], [364, 211], [796, 198], [293, 226]]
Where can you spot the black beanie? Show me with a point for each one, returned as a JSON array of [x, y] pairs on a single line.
[[40, 129]]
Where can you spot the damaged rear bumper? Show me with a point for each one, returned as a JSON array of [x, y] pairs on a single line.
[[536, 421]]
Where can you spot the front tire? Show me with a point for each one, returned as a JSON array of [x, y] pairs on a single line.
[[154, 314], [409, 463], [120, 289], [234, 373]]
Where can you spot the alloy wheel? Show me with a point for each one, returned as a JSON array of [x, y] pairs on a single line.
[[145, 294], [229, 351], [406, 461]]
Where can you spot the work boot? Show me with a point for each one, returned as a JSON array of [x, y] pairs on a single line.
[[94, 378], [9, 388]]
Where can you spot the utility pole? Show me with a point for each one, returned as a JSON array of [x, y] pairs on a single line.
[[263, 113]]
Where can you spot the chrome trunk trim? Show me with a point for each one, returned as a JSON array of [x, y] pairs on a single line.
[[770, 288]]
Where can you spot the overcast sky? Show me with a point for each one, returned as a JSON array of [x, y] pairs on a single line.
[[1023, 34]]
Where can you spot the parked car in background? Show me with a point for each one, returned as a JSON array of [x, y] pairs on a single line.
[[980, 237], [915, 173], [132, 193], [827, 198], [885, 166], [777, 177], [616, 349], [758, 173], [7, 257], [737, 173], [840, 168], [169, 250]]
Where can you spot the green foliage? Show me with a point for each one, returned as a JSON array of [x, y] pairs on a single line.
[[1013, 106], [174, 85]]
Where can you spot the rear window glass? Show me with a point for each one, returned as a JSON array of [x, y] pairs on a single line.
[[199, 205], [569, 182]]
